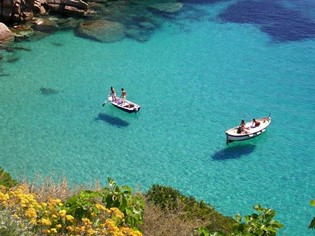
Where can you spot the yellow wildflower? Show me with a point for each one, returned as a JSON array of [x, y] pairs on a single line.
[[100, 207], [69, 228], [30, 213], [90, 232], [62, 213], [135, 233], [86, 221], [53, 230], [69, 218], [117, 212], [111, 225], [33, 221], [56, 201], [4, 197], [46, 231], [45, 221]]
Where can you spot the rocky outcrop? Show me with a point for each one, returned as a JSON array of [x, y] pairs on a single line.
[[102, 20], [22, 10], [102, 30], [6, 35], [68, 7]]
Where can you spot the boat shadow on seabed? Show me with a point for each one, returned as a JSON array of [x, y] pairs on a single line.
[[114, 121], [234, 152]]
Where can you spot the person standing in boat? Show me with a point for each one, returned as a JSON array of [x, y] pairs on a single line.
[[113, 93], [123, 95]]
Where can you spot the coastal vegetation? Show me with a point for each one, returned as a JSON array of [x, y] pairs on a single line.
[[55, 209], [312, 224]]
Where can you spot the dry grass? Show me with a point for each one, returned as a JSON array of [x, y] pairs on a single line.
[[48, 188], [158, 222]]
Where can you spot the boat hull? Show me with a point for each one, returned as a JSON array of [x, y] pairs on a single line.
[[249, 133], [126, 106]]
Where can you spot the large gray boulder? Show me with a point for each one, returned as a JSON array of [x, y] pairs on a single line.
[[6, 35], [102, 30]]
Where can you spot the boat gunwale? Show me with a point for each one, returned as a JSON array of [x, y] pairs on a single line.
[[135, 107]]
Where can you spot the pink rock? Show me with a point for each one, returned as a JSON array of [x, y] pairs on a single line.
[[6, 35]]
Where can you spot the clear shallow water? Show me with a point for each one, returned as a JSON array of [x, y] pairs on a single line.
[[196, 77]]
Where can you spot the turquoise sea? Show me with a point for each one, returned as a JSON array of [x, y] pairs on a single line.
[[213, 64]]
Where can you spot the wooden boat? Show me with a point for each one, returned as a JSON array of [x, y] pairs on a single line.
[[249, 131], [127, 106]]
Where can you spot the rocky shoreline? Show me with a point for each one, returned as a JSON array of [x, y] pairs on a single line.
[[101, 20]]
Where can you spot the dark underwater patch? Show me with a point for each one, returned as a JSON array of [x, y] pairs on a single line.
[[56, 44], [203, 1], [280, 23], [47, 91], [234, 152], [115, 121]]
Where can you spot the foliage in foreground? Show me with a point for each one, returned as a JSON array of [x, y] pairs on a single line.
[[312, 224], [53, 216], [115, 210], [113, 196], [169, 198], [10, 226], [6, 179], [261, 223], [257, 224]]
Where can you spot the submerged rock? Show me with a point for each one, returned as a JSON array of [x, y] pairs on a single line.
[[12, 58], [48, 91], [138, 34], [22, 32], [45, 25], [166, 7], [102, 30]]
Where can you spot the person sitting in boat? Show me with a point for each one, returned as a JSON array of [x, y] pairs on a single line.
[[113, 93], [255, 123], [242, 129], [123, 95]]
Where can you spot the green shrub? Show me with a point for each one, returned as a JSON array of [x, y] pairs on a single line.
[[132, 205], [167, 197], [312, 224], [6, 179], [262, 223], [82, 205], [164, 196]]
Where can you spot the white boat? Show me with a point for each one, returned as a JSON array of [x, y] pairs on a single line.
[[249, 131], [126, 105]]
